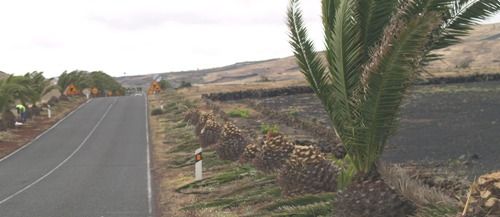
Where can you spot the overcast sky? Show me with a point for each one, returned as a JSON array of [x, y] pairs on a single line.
[[144, 36]]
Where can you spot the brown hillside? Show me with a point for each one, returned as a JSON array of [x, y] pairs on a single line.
[[477, 54]]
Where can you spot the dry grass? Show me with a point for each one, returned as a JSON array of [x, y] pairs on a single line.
[[166, 179], [429, 201]]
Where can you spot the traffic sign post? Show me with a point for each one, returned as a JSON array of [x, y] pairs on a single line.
[[198, 166]]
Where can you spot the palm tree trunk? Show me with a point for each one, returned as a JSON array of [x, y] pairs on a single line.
[[370, 196]]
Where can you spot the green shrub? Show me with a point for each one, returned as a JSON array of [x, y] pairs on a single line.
[[269, 128], [157, 111], [185, 84], [239, 113]]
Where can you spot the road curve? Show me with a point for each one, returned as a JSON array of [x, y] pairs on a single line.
[[93, 163]]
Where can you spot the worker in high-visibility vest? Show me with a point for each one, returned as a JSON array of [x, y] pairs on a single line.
[[21, 111]]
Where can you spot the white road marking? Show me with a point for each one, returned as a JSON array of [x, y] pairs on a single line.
[[45, 132], [64, 161], [150, 194]]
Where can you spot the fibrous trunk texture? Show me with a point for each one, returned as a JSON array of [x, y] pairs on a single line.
[[210, 133], [307, 171], [231, 144], [370, 196], [486, 197], [274, 152]]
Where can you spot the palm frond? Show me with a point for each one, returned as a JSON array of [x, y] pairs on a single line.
[[461, 16], [309, 61], [374, 50], [344, 58], [329, 9], [387, 86], [374, 15]]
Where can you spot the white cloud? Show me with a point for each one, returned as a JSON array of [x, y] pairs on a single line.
[[143, 36]]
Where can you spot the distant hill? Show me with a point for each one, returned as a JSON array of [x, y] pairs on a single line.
[[477, 54]]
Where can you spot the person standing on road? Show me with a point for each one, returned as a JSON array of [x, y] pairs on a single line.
[[21, 111]]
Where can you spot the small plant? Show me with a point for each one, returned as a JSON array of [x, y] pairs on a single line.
[[53, 100], [185, 84], [465, 63], [269, 128], [157, 111], [164, 84], [264, 79], [239, 113], [294, 112]]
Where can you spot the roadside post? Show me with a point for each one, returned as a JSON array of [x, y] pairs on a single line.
[[198, 166], [86, 92], [49, 112]]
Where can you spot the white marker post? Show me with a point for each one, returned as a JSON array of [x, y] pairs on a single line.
[[86, 92], [49, 112], [198, 166]]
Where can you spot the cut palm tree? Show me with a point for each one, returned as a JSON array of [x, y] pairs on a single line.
[[375, 49]]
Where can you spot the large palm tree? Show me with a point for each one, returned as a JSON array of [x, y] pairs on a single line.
[[39, 86], [11, 89], [374, 51]]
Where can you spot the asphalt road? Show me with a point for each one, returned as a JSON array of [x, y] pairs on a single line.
[[94, 163]]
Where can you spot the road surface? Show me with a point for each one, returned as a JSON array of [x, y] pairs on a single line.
[[93, 163]]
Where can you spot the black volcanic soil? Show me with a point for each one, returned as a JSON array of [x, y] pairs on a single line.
[[440, 123]]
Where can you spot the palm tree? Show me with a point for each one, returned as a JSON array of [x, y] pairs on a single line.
[[11, 89], [39, 86], [375, 49]]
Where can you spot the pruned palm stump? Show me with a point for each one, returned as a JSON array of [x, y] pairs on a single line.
[[231, 144], [202, 120], [485, 199], [250, 152], [210, 133], [273, 153], [307, 171], [375, 49], [192, 116]]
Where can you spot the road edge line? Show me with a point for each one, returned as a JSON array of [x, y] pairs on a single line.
[[62, 162], [148, 159], [45, 132]]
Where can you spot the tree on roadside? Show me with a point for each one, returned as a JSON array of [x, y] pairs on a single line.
[[11, 89], [164, 84], [38, 86], [83, 79], [79, 78], [375, 49]]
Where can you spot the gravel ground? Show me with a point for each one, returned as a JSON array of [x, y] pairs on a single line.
[[440, 123]]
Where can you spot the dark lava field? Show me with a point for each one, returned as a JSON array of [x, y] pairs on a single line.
[[439, 123]]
